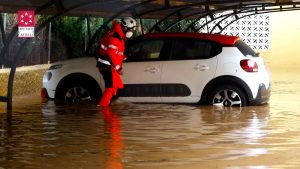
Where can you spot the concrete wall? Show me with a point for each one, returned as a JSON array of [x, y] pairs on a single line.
[[28, 80]]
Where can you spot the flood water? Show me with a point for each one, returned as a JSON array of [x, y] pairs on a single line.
[[147, 136]]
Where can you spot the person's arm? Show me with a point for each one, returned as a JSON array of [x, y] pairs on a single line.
[[112, 52]]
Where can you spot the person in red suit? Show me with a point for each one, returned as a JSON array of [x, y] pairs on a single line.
[[111, 56]]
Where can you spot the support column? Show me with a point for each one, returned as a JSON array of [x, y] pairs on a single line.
[[10, 93], [49, 43], [3, 27]]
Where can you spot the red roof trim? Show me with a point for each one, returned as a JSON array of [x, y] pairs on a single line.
[[223, 39]]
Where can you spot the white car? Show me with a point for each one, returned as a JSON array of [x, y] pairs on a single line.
[[199, 68]]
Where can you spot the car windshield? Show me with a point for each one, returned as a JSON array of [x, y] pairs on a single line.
[[245, 49]]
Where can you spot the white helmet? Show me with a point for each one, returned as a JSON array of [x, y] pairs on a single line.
[[128, 25]]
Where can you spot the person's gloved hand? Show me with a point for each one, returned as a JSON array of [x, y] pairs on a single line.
[[119, 69]]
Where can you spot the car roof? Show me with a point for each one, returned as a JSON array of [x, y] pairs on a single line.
[[222, 39]]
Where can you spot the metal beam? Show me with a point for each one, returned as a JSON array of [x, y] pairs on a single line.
[[97, 33], [205, 4], [253, 13], [59, 5], [166, 17], [3, 99], [2, 28], [235, 7], [264, 12]]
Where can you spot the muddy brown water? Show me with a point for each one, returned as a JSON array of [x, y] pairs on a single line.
[[147, 136]]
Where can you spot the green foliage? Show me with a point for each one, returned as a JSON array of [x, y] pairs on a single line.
[[95, 23], [72, 30], [71, 33], [148, 24]]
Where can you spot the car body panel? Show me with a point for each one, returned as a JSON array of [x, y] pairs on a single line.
[[194, 73], [85, 65], [229, 65], [137, 75]]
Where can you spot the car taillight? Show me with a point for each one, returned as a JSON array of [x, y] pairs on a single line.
[[249, 65], [44, 94]]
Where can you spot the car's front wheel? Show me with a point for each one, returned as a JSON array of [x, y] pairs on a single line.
[[77, 94], [228, 96], [78, 89]]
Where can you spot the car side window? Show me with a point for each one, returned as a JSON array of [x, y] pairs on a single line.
[[145, 50], [185, 48]]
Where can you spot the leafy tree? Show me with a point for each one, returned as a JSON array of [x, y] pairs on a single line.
[[72, 31]]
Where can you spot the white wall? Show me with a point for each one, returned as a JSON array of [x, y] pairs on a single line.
[[284, 53]]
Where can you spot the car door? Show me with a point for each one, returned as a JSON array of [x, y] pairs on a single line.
[[142, 71], [191, 66]]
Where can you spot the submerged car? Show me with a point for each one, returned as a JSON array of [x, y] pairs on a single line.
[[208, 69]]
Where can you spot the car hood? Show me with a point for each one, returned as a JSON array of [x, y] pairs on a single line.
[[74, 61]]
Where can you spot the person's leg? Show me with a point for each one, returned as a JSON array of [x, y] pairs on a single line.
[[108, 92], [106, 97]]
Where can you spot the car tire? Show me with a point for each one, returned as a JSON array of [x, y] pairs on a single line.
[[228, 96], [76, 90]]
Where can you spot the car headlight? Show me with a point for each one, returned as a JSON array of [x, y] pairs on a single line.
[[58, 66]]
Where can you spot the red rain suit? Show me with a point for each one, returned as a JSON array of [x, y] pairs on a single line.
[[109, 62]]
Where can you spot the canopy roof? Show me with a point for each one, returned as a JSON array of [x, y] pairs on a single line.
[[177, 10], [144, 8]]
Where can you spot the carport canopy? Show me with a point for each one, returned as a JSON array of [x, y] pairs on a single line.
[[145, 8], [175, 10]]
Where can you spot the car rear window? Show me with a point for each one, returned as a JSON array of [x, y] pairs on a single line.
[[187, 48], [245, 49]]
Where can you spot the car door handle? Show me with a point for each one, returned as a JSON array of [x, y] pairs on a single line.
[[201, 67], [151, 70]]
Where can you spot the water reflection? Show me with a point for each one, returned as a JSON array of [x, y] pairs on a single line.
[[112, 125], [237, 130], [180, 135], [244, 124], [45, 135]]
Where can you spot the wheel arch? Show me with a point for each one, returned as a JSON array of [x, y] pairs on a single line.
[[225, 80], [76, 77]]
